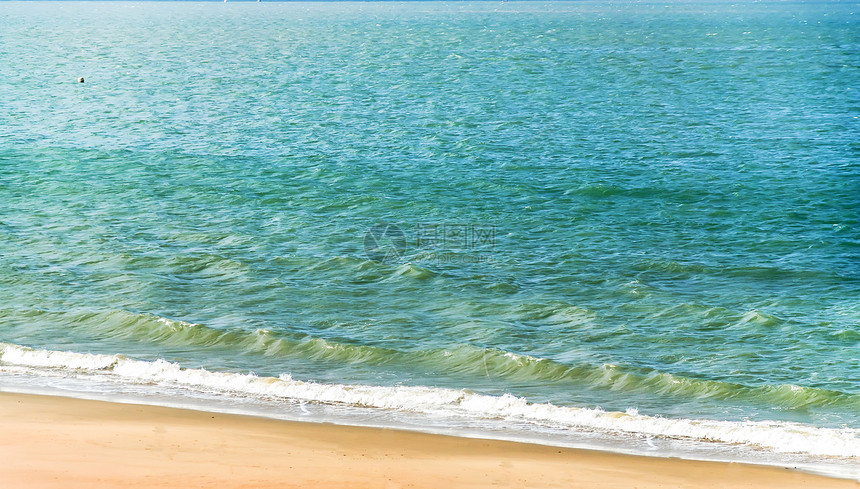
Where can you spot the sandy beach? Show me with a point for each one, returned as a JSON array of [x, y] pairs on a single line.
[[64, 442]]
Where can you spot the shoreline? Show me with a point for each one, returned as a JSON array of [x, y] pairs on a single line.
[[52, 441]]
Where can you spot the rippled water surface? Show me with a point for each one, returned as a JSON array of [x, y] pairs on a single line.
[[591, 205]]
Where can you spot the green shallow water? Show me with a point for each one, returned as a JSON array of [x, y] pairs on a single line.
[[626, 205]]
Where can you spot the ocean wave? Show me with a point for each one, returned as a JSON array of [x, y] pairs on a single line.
[[458, 360], [750, 272], [781, 437]]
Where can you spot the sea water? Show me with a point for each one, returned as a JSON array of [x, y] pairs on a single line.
[[630, 225]]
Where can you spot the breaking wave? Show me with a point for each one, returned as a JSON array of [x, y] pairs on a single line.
[[780, 437]]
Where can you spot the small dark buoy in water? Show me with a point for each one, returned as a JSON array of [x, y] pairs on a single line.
[[81, 80]]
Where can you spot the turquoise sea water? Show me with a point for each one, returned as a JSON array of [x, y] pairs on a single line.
[[629, 218]]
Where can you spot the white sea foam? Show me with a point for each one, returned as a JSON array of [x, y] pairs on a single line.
[[781, 437]]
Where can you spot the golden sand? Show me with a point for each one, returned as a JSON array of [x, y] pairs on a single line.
[[71, 443]]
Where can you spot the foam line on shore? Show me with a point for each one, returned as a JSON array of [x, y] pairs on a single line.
[[778, 437]]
